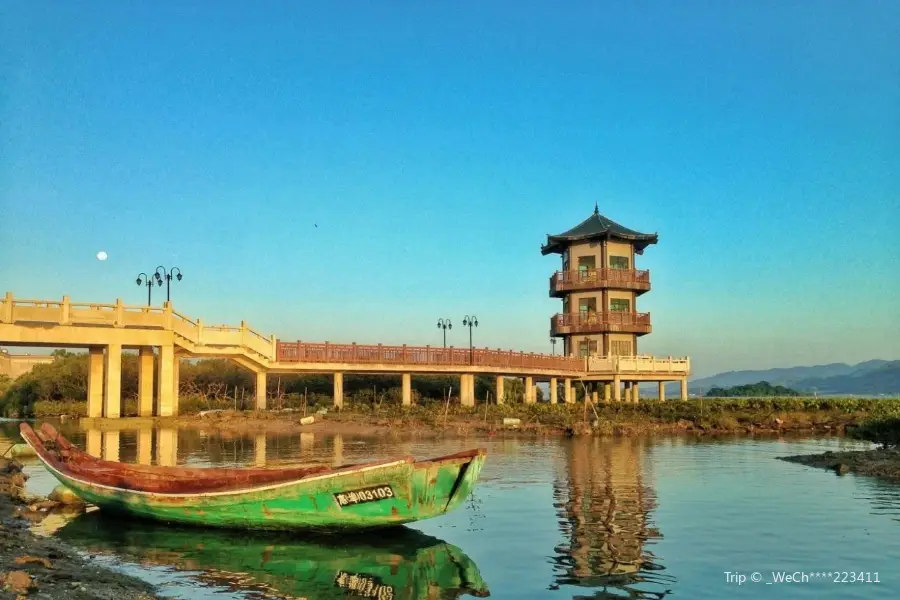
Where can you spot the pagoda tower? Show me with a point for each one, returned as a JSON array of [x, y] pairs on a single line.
[[599, 287]]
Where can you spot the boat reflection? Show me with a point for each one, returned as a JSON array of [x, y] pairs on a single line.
[[604, 507], [401, 564]]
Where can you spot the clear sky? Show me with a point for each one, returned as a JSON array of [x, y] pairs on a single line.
[[352, 171]]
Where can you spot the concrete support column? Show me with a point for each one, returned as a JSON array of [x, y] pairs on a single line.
[[338, 451], [145, 381], [467, 390], [94, 443], [339, 390], [568, 396], [259, 450], [111, 446], [595, 393], [407, 389], [607, 392], [529, 390], [112, 408], [95, 383], [499, 389], [617, 389], [684, 392], [662, 391], [176, 382], [554, 393], [167, 447], [261, 390], [628, 391], [145, 446], [165, 377]]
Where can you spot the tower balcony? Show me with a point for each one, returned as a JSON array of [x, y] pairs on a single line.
[[563, 282], [599, 322]]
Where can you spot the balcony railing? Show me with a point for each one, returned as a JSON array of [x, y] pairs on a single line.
[[627, 279], [600, 322], [639, 365]]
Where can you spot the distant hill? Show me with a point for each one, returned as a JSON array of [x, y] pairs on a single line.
[[869, 377], [752, 390]]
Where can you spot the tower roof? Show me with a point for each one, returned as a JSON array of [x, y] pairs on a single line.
[[597, 227]]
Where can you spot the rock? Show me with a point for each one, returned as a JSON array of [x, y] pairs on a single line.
[[829, 453], [842, 469], [65, 496], [37, 560], [322, 411], [307, 420], [17, 582], [509, 422]]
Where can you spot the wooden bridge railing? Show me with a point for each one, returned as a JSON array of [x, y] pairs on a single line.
[[423, 355]]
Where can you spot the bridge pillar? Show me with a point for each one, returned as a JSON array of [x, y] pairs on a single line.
[[261, 390], [617, 389], [176, 383], [113, 382], [95, 382], [607, 392], [407, 389], [629, 392], [595, 393], [165, 382], [94, 443], [145, 381], [338, 390], [467, 390], [684, 392], [529, 390], [553, 391], [499, 388], [145, 446], [662, 391], [567, 391], [259, 450]]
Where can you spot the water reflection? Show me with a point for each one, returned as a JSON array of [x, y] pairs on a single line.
[[604, 506], [403, 564]]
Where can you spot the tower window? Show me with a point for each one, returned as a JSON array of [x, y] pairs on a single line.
[[619, 305], [618, 262]]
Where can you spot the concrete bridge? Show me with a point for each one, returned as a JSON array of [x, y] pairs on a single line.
[[106, 329]]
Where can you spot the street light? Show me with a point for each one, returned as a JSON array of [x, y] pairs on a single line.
[[553, 343], [445, 324], [470, 322], [148, 281], [167, 275]]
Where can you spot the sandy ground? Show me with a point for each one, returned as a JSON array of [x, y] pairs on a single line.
[[32, 566]]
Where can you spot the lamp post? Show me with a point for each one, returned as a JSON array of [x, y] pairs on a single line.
[[167, 275], [445, 324], [553, 344], [470, 322], [144, 279]]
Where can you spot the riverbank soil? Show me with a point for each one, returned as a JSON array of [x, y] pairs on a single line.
[[881, 462], [36, 567]]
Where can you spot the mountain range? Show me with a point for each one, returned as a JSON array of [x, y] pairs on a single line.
[[872, 377]]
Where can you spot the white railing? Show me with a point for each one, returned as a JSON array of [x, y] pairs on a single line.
[[639, 365], [119, 315]]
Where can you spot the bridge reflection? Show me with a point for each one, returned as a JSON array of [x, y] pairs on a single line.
[[604, 504]]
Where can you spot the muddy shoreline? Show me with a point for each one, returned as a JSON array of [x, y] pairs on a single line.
[[880, 462], [32, 566]]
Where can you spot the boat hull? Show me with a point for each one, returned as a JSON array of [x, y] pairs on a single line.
[[379, 495]]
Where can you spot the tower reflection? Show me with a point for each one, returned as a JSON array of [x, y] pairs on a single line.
[[604, 506]]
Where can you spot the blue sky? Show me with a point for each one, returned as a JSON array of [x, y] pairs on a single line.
[[436, 146]]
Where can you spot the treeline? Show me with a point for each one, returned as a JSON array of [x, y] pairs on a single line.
[[217, 383], [752, 390]]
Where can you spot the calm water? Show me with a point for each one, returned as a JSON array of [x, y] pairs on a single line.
[[586, 518]]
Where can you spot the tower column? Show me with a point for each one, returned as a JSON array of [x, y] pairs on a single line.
[[553, 391], [261, 390], [164, 382], [467, 390], [684, 389], [567, 391], [113, 381], [529, 390], [617, 389], [176, 382], [662, 391], [499, 389], [607, 392]]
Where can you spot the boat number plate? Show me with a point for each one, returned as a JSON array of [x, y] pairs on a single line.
[[371, 494], [364, 585]]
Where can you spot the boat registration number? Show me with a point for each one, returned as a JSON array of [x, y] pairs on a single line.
[[371, 494], [364, 585]]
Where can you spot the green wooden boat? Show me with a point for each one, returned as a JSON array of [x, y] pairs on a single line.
[[402, 564], [377, 494]]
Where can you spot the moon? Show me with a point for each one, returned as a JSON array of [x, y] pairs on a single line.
[[101, 255]]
